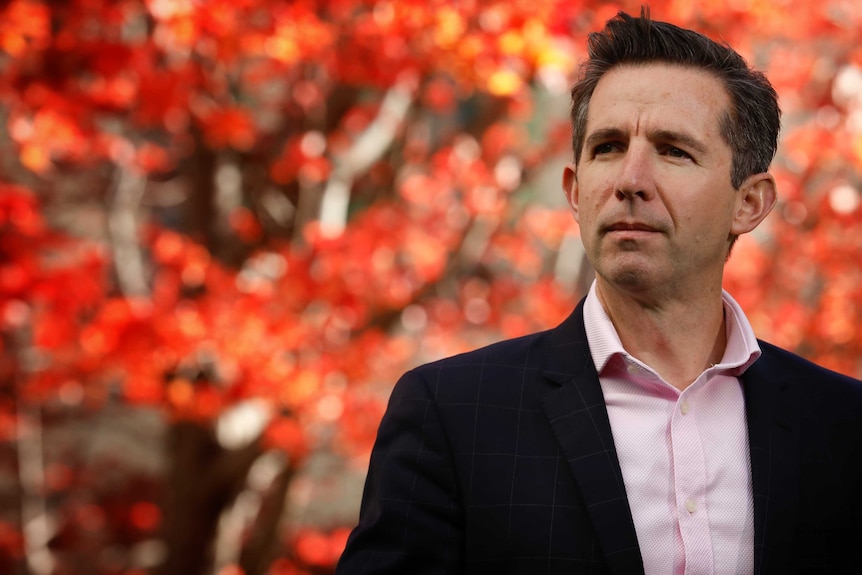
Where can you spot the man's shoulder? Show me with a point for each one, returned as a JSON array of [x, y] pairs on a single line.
[[495, 373], [814, 378], [513, 352]]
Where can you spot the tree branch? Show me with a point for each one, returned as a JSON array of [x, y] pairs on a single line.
[[37, 527], [367, 149], [128, 189]]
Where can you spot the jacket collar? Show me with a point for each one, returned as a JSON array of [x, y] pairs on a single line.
[[772, 411], [576, 411]]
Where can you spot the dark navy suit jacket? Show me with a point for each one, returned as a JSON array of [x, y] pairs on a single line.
[[502, 461]]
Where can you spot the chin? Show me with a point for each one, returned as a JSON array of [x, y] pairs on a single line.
[[629, 277]]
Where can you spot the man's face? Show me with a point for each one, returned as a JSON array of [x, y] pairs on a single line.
[[652, 191]]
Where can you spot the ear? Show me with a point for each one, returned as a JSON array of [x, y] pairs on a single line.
[[757, 196], [570, 187]]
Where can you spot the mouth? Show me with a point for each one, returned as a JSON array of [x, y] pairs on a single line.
[[630, 227]]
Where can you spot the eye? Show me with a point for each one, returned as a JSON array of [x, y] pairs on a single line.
[[605, 148], [675, 152]]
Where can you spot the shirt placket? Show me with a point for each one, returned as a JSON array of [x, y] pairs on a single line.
[[690, 484]]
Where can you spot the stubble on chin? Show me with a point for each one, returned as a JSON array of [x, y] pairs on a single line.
[[628, 278], [625, 269], [616, 263]]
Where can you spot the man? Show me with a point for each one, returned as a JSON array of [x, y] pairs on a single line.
[[651, 432]]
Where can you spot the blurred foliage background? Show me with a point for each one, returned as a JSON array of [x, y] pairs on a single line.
[[227, 226]]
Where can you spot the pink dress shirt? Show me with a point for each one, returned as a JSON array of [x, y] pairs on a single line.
[[684, 454]]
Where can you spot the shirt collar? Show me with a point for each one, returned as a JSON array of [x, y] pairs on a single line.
[[741, 351]]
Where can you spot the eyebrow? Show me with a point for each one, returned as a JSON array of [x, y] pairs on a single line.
[[603, 135], [686, 140]]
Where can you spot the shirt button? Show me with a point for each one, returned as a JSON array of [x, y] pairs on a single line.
[[633, 369], [684, 407], [691, 505]]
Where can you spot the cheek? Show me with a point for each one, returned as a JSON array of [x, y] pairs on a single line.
[[705, 221], [590, 204], [586, 219]]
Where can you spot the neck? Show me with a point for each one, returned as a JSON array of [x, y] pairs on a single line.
[[678, 338]]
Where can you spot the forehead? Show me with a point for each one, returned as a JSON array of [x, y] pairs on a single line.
[[659, 96]]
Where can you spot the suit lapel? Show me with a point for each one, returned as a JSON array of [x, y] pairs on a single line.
[[773, 436], [577, 413]]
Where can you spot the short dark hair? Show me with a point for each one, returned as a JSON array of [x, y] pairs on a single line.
[[750, 127]]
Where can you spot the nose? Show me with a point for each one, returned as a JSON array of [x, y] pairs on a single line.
[[636, 174]]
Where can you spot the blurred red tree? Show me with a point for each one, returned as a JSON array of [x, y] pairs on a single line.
[[228, 226]]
